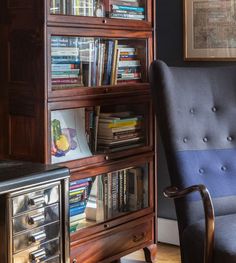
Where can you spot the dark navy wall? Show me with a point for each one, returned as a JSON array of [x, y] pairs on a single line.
[[170, 49]]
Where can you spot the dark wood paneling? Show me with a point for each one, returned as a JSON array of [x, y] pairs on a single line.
[[22, 137]]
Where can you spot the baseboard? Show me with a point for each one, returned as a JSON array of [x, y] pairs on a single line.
[[168, 231]]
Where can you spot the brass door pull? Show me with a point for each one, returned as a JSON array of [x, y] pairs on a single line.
[[138, 238]]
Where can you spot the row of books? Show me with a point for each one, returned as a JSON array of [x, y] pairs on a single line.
[[92, 62], [110, 195], [122, 11]]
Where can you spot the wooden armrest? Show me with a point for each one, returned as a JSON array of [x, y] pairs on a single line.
[[174, 192]]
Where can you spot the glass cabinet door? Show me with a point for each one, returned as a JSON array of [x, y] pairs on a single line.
[[84, 132], [103, 197], [89, 62], [121, 9]]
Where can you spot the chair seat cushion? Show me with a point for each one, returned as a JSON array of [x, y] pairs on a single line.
[[225, 240]]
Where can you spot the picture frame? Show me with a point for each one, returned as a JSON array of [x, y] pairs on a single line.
[[210, 30], [68, 135]]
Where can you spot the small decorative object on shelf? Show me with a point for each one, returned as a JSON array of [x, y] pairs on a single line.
[[99, 9]]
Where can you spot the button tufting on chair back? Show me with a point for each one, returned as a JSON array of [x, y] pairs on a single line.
[[196, 111]]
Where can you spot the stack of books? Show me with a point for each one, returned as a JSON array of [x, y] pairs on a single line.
[[119, 131], [78, 197], [129, 69], [65, 62], [127, 9]]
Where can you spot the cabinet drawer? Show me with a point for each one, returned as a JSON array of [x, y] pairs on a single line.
[[36, 199], [116, 241], [36, 218], [35, 237], [39, 253]]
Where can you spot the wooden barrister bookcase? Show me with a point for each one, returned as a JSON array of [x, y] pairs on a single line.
[[76, 93]]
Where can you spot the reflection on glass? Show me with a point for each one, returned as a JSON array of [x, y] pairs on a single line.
[[122, 9], [58, 7], [106, 196], [83, 132], [81, 7], [86, 61]]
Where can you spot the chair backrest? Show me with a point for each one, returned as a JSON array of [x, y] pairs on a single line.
[[196, 112]]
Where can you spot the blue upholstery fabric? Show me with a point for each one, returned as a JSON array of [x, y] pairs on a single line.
[[196, 110], [216, 169], [225, 240]]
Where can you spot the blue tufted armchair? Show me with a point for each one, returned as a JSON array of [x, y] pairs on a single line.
[[196, 112]]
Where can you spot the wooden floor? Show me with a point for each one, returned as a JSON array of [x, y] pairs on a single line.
[[166, 254]]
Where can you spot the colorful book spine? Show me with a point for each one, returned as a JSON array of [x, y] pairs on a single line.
[[78, 185], [128, 16], [80, 181], [129, 63], [77, 210], [131, 8], [64, 67]]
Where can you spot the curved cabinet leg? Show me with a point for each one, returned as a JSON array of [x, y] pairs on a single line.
[[150, 253]]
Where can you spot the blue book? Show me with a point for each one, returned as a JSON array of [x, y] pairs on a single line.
[[78, 204], [81, 181], [128, 8], [76, 211], [108, 69], [64, 61]]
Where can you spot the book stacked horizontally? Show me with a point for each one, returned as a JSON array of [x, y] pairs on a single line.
[[65, 62], [78, 197], [127, 9], [119, 131], [129, 69]]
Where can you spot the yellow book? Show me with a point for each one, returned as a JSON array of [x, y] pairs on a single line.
[[124, 124]]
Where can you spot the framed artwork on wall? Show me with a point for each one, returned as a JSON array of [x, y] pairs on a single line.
[[210, 29]]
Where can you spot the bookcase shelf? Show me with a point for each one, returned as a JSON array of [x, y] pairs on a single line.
[[78, 95], [128, 10]]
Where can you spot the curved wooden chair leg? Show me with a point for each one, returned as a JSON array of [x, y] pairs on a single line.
[[150, 253]]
